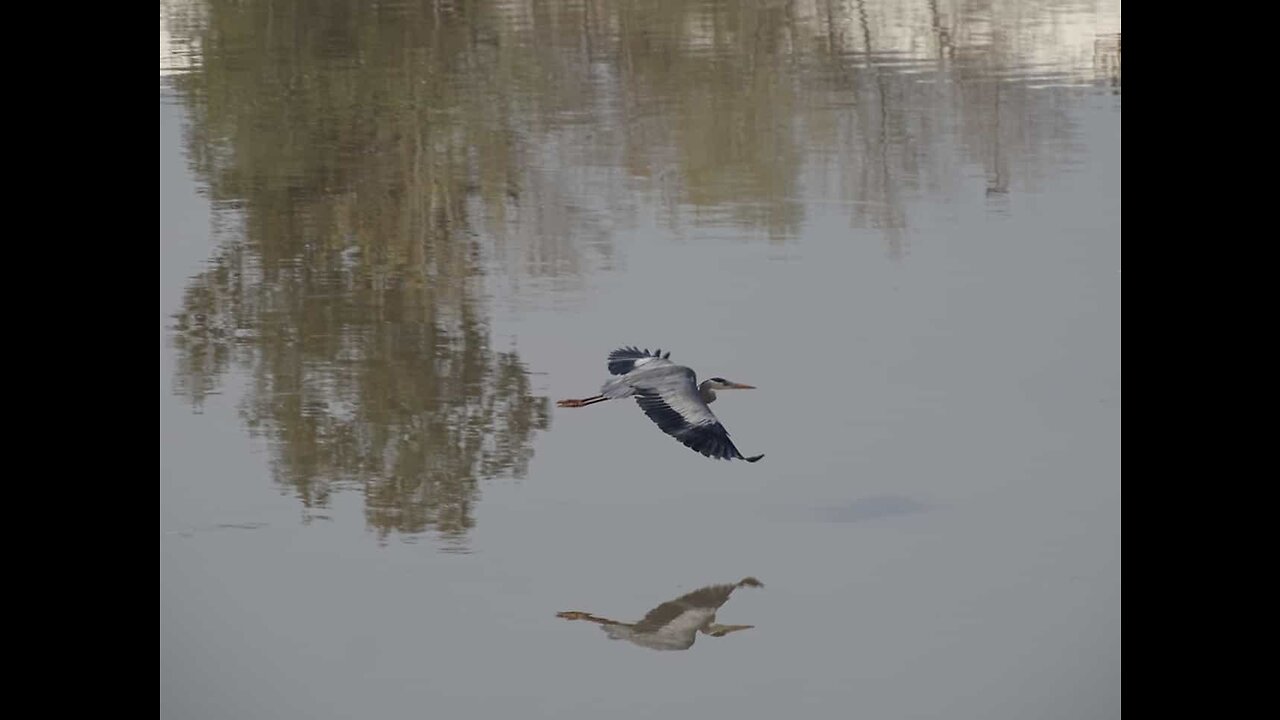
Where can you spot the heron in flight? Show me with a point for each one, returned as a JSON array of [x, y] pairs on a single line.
[[672, 398], [673, 625]]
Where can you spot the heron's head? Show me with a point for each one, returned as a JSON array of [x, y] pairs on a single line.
[[721, 630], [719, 383]]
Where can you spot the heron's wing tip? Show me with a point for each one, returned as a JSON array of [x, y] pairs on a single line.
[[755, 458], [623, 360]]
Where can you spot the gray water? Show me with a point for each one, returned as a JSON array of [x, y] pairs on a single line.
[[393, 235]]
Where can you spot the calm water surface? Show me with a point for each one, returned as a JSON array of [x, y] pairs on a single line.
[[393, 234]]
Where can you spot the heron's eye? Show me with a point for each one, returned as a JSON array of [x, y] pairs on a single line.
[[719, 380]]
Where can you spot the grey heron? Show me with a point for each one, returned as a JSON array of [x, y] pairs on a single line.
[[673, 625], [672, 398]]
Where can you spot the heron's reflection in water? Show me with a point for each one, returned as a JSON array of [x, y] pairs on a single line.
[[674, 624]]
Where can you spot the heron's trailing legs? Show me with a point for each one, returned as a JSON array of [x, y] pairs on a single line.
[[579, 615], [581, 403]]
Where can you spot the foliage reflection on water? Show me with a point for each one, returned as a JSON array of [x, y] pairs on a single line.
[[372, 166]]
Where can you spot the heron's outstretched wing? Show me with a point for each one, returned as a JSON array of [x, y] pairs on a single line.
[[701, 603], [671, 400], [624, 360], [676, 618]]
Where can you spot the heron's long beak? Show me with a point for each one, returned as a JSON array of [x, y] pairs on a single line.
[[722, 630], [740, 386]]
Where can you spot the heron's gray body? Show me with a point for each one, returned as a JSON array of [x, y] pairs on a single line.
[[680, 634], [658, 374]]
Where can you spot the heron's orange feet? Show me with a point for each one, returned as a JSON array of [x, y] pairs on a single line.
[[569, 403]]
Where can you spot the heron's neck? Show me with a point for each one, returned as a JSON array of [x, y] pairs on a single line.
[[704, 390]]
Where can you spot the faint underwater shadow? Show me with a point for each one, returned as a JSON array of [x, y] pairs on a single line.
[[874, 508]]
